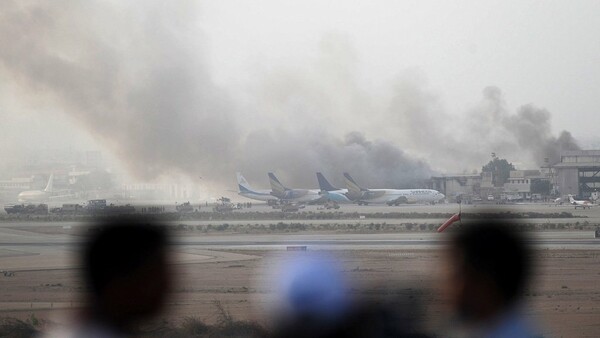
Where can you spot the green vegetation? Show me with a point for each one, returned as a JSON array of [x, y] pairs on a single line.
[[225, 326], [16, 328], [500, 168], [195, 327], [304, 215]]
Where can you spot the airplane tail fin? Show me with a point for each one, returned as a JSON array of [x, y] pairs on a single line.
[[351, 185], [276, 186], [243, 185], [324, 183], [571, 199], [50, 184]]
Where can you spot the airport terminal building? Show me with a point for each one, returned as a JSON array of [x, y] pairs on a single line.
[[464, 187], [577, 173]]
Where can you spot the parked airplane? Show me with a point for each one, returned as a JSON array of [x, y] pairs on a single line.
[[293, 195], [389, 196], [332, 193], [49, 193], [247, 191], [37, 195], [580, 203]]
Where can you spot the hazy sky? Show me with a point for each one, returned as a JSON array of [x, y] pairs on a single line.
[[542, 52], [246, 83]]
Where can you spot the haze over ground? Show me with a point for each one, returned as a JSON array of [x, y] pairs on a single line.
[[392, 92]]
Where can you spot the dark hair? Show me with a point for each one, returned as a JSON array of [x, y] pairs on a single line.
[[497, 251], [118, 248]]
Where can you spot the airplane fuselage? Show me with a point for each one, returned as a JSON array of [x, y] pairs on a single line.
[[580, 203], [300, 195], [260, 195], [400, 196], [386, 196], [33, 196], [338, 196]]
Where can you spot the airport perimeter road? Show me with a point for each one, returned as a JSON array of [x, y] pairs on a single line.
[[451, 208], [594, 212]]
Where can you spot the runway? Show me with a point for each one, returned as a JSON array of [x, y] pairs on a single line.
[[54, 245], [10, 238]]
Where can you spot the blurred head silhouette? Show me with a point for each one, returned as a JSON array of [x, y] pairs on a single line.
[[489, 268], [125, 267], [315, 302], [310, 295], [312, 285]]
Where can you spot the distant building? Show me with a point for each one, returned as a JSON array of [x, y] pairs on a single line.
[[457, 186], [487, 179], [53, 160], [526, 184], [19, 183], [158, 191], [521, 184], [76, 175], [10, 188], [33, 182], [577, 173]]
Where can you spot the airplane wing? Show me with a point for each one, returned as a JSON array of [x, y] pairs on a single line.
[[401, 200]]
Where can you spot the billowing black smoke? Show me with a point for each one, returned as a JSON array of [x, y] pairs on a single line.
[[136, 77], [468, 140], [133, 78], [297, 156], [531, 127]]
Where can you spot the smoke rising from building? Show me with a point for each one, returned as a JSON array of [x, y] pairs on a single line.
[[531, 126], [468, 140], [297, 156], [529, 129], [137, 77]]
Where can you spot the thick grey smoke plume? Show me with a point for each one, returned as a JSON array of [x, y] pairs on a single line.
[[468, 140], [530, 127], [298, 156], [133, 78], [135, 75]]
